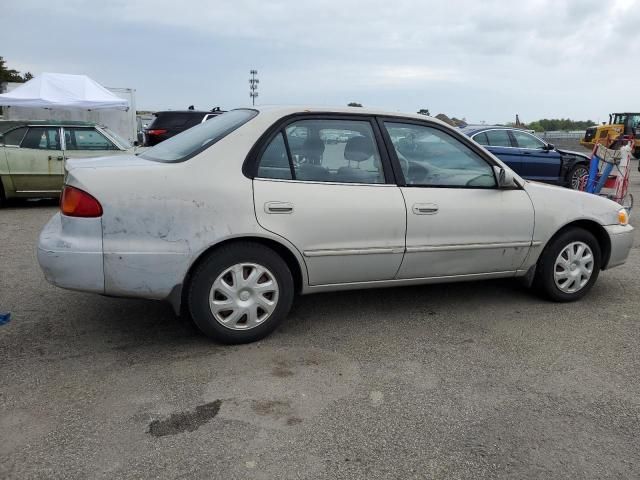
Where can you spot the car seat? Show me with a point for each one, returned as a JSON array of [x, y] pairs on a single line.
[[312, 150], [357, 149]]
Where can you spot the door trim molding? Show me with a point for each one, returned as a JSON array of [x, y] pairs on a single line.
[[352, 251], [469, 246]]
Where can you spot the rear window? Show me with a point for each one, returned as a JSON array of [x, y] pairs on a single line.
[[177, 120], [193, 141]]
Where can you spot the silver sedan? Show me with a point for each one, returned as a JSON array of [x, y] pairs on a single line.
[[231, 219]]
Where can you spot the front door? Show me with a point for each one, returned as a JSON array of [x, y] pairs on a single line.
[[538, 162], [85, 142], [458, 221], [321, 184], [36, 166]]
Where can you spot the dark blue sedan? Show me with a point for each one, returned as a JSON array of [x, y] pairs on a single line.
[[530, 156]]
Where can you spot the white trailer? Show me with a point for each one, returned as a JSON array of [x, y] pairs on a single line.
[[122, 122]]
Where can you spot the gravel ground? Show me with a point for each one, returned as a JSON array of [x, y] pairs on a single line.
[[476, 380]]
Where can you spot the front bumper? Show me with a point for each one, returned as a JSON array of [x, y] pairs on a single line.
[[70, 253], [621, 242]]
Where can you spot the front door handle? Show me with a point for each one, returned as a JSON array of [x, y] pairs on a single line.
[[51, 157], [278, 207], [425, 208]]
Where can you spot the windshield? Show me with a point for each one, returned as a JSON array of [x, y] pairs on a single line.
[[123, 142], [194, 140]]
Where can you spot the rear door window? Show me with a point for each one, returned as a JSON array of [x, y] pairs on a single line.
[[498, 138], [42, 138], [481, 138], [14, 137], [325, 150]]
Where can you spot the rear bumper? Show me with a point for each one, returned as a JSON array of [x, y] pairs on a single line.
[[70, 253], [621, 242]]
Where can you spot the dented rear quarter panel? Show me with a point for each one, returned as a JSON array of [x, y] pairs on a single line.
[[160, 217]]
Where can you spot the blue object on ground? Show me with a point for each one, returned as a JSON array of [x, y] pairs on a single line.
[[603, 178], [5, 317], [593, 173]]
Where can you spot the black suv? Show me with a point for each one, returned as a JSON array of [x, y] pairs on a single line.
[[171, 122]]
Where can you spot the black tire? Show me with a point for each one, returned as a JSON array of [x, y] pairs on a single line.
[[577, 171], [213, 266], [544, 280], [3, 200]]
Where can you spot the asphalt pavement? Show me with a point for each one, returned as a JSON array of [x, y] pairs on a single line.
[[470, 380]]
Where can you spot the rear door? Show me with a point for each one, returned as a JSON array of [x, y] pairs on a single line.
[[334, 200], [85, 142], [36, 166], [498, 142], [538, 163]]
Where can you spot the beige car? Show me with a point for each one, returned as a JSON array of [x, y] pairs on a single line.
[[230, 219], [33, 155]]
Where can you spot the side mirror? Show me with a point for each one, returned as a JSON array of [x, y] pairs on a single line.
[[506, 178], [549, 146]]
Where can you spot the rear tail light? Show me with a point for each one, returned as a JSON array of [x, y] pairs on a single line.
[[77, 203], [157, 131]]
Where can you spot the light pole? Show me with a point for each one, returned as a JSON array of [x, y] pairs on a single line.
[[253, 86]]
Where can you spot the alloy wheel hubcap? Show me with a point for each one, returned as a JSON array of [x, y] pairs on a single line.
[[573, 267], [577, 177], [243, 296]]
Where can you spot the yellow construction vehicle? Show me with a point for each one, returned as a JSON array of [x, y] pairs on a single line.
[[621, 125]]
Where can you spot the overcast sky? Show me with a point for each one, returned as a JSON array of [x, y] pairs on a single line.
[[483, 60]]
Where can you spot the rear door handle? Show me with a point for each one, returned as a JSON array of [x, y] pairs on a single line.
[[51, 157], [425, 208], [278, 207]]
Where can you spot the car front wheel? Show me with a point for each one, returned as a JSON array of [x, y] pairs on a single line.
[[240, 293], [576, 175], [569, 265]]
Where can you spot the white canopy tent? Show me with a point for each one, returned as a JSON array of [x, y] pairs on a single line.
[[61, 90]]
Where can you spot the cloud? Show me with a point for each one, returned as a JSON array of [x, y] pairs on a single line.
[[483, 60]]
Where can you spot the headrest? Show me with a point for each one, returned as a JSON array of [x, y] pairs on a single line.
[[358, 149], [313, 147]]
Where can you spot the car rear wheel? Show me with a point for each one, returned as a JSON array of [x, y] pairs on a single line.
[[576, 175], [240, 293], [3, 200], [569, 265]]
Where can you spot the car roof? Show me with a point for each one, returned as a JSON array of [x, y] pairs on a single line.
[[199, 112], [46, 123], [473, 129], [279, 111]]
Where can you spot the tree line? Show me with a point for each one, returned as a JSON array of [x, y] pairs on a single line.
[[551, 124], [10, 75]]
